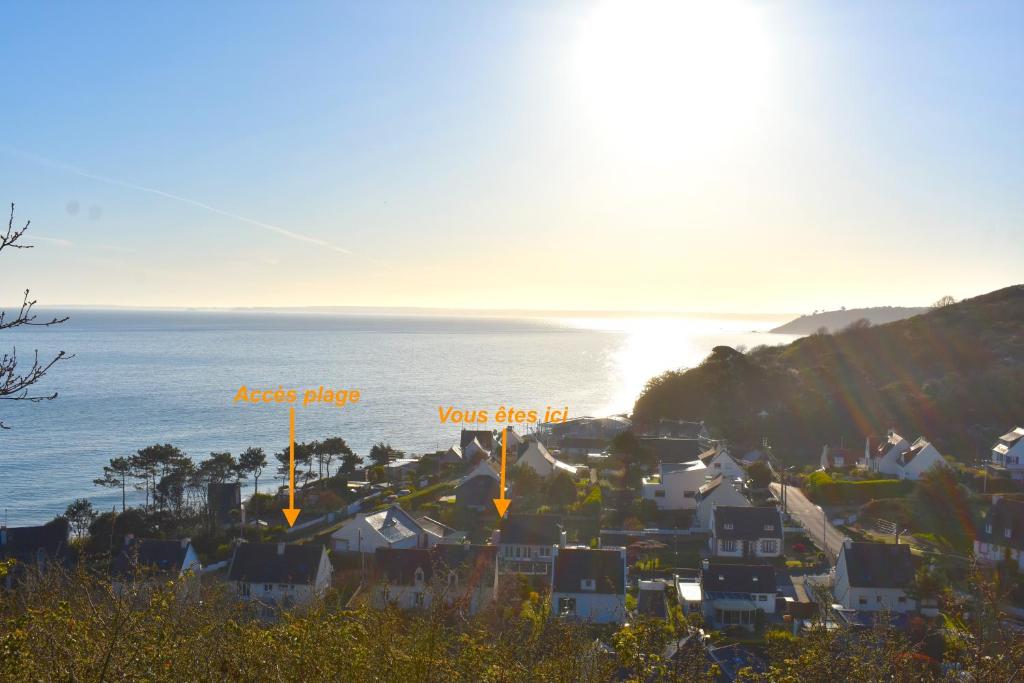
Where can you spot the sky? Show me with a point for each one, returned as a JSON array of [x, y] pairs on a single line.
[[648, 156]]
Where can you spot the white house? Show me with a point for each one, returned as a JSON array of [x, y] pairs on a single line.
[[474, 451], [881, 455], [280, 575], [526, 542], [689, 594], [415, 578], [918, 459], [871, 577], [390, 528], [589, 584], [1008, 454], [716, 492], [1001, 534], [718, 461], [675, 486], [733, 594], [746, 532], [537, 458], [833, 458]]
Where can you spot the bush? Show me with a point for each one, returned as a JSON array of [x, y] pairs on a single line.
[[823, 489]]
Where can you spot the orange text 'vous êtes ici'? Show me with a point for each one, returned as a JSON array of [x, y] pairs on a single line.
[[305, 397], [503, 415]]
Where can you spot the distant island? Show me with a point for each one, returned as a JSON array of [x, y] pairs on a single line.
[[834, 321]]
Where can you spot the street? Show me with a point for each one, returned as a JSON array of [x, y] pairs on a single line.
[[821, 531]]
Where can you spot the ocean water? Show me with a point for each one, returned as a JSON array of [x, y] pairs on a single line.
[[144, 377]]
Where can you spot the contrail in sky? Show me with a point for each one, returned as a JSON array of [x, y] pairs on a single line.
[[291, 234]]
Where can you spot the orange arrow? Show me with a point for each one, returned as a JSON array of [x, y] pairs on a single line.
[[502, 502], [291, 513]]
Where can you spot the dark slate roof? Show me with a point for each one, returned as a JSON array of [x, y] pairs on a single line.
[[1005, 513], [151, 554], [26, 543], [398, 566], [573, 565], [531, 529], [484, 436], [747, 523], [738, 578], [261, 563], [731, 659], [673, 450], [878, 565]]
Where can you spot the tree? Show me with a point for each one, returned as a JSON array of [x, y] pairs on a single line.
[[152, 463], [218, 468], [561, 490], [16, 380], [383, 453], [944, 301], [252, 461], [760, 474], [80, 515], [631, 455], [350, 461], [115, 475], [333, 447]]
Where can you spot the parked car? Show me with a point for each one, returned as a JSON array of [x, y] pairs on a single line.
[[404, 492]]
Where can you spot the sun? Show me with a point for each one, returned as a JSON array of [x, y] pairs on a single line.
[[664, 79]]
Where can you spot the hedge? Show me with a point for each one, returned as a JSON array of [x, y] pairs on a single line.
[[825, 490]]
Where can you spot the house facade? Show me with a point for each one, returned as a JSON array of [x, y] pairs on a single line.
[[1008, 453], [871, 577], [880, 455], [1001, 532], [717, 492], [589, 584], [536, 457], [734, 594], [526, 544], [718, 461], [836, 458], [478, 489], [279, 575], [417, 578], [35, 547], [676, 484], [390, 528], [746, 531]]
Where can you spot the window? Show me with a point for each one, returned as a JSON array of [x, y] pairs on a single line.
[[762, 598], [588, 584], [417, 599], [728, 546], [1006, 532], [545, 551], [902, 599], [728, 526], [566, 606], [245, 590], [419, 575], [268, 587], [769, 527], [988, 528], [862, 601], [878, 599], [517, 551], [660, 493], [384, 593], [769, 546]]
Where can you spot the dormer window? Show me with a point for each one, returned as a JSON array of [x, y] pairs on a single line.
[[728, 526], [1006, 532], [769, 527], [588, 584], [419, 575], [453, 579], [988, 528]]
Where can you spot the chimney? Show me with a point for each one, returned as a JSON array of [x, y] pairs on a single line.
[[561, 538], [280, 548], [705, 564], [128, 538], [848, 543], [185, 542], [3, 535]]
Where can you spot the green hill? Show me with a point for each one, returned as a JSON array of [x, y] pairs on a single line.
[[834, 321], [954, 374]]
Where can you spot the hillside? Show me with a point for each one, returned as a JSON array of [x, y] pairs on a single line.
[[954, 374], [834, 321]]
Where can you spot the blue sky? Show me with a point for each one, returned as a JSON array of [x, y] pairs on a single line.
[[474, 155]]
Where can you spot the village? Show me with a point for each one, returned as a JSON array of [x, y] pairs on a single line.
[[609, 523]]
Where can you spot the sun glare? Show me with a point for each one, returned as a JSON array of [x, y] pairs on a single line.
[[665, 79]]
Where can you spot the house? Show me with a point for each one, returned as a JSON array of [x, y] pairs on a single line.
[[478, 489], [452, 456], [681, 429], [718, 461], [1008, 453], [525, 543], [515, 442], [918, 459], [689, 594], [870, 577], [411, 578], [746, 531], [437, 533], [536, 457], [153, 557], [483, 437], [35, 547], [650, 599], [589, 584], [390, 528], [1001, 532], [734, 594], [718, 491], [880, 455], [223, 499], [279, 575], [833, 458], [474, 451], [676, 484], [668, 449]]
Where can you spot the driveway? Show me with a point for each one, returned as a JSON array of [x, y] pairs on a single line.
[[819, 529]]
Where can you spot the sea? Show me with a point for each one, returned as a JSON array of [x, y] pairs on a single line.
[[140, 377]]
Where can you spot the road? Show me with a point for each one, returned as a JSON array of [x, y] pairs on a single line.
[[820, 530]]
